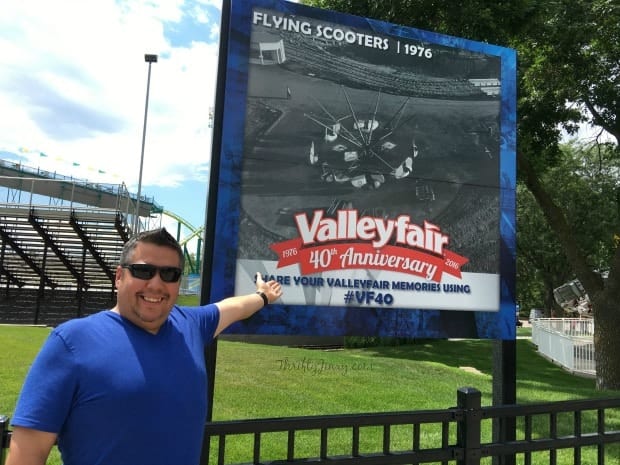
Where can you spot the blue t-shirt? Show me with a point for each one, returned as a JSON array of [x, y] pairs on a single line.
[[118, 395]]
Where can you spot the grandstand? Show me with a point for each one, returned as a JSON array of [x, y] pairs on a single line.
[[60, 241], [330, 62]]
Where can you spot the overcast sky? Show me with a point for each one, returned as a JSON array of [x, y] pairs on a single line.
[[73, 90]]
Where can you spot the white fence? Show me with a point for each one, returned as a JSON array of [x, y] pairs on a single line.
[[568, 342], [190, 284]]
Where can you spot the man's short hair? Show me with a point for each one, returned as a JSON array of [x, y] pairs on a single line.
[[159, 237]]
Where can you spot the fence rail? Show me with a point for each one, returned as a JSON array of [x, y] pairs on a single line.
[[576, 432], [568, 342], [468, 434]]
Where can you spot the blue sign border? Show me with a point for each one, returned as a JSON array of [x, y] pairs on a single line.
[[343, 321]]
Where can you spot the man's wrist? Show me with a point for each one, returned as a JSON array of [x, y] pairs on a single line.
[[264, 297]]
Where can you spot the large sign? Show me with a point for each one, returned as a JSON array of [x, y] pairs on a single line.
[[370, 168]]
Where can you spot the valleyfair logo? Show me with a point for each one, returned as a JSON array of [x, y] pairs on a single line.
[[350, 241]]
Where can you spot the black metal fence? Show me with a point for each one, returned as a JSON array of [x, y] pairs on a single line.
[[567, 432], [579, 432], [5, 436]]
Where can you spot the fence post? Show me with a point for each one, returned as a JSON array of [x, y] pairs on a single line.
[[504, 393], [468, 429], [4, 437]]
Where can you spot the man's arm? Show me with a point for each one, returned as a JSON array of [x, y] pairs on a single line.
[[233, 309], [29, 446]]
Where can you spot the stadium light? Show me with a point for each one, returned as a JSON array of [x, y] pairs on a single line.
[[148, 58]]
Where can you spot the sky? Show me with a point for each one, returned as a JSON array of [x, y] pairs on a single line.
[[73, 91]]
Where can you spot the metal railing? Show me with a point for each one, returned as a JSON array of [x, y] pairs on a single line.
[[5, 437], [56, 187], [568, 342], [588, 431], [576, 432]]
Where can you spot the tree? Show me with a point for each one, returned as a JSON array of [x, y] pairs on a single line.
[[541, 264], [583, 183], [568, 75]]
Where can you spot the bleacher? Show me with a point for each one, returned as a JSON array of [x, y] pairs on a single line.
[[60, 247], [390, 80], [58, 258]]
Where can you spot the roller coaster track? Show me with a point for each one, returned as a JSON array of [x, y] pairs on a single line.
[[193, 231]]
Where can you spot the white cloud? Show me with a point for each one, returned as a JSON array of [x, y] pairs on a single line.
[[73, 86]]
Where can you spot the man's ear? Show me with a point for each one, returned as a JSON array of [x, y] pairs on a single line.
[[118, 274]]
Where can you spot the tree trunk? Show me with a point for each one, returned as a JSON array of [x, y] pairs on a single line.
[[606, 310], [605, 297]]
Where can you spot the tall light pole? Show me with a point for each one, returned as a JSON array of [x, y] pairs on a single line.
[[136, 222]]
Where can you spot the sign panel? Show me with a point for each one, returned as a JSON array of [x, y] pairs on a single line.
[[370, 168]]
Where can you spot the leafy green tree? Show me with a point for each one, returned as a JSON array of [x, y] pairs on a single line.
[[568, 75], [583, 183], [541, 264]]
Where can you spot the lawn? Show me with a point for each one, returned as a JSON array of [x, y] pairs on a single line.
[[263, 381], [258, 380]]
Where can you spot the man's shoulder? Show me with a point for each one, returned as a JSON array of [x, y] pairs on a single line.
[[196, 311], [84, 323], [202, 315]]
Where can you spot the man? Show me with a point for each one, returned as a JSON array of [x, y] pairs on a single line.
[[128, 386]]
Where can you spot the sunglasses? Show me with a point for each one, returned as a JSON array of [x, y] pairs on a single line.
[[145, 271]]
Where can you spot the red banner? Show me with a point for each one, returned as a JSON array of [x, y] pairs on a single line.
[[362, 255]]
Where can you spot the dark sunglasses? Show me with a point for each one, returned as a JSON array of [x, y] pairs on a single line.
[[168, 274]]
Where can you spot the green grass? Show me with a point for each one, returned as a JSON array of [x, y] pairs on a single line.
[[19, 346], [524, 332], [266, 381], [259, 381], [188, 300]]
